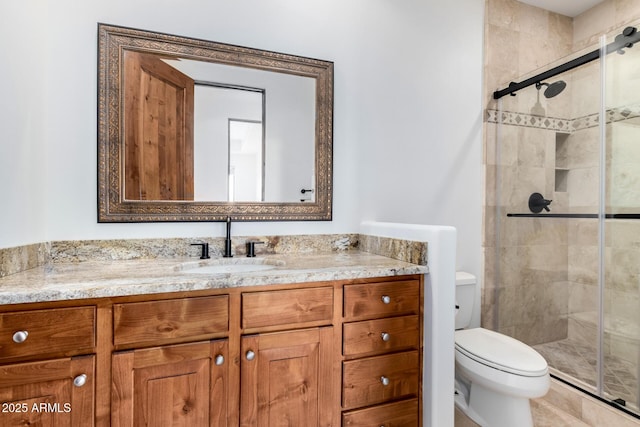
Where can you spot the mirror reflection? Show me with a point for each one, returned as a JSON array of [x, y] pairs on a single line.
[[179, 142], [193, 130]]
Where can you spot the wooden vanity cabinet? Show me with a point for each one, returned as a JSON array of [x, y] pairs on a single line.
[[146, 323], [182, 384], [311, 354], [175, 385], [47, 367], [54, 332], [49, 393], [382, 354], [286, 357], [286, 378]]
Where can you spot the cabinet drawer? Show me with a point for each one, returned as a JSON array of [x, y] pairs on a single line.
[[381, 299], [379, 379], [397, 414], [286, 307], [382, 335], [196, 318], [64, 331], [49, 393]]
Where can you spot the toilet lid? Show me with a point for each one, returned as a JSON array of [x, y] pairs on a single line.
[[500, 351]]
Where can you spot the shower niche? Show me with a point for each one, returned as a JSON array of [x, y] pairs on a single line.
[[561, 172]]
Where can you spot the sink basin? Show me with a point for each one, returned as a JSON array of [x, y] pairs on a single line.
[[229, 268], [240, 265]]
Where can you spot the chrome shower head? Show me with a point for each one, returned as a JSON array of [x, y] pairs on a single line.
[[552, 89]]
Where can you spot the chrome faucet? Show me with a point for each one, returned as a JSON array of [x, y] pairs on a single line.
[[227, 241]]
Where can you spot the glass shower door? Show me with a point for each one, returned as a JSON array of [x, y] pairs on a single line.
[[567, 280], [621, 255]]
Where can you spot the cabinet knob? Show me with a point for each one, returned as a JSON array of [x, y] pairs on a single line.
[[385, 336], [80, 380], [219, 360], [250, 355], [20, 336], [384, 380], [386, 299]]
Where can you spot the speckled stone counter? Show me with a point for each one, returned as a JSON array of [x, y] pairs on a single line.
[[95, 279]]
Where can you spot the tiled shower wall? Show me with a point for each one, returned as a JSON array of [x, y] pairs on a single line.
[[548, 272]]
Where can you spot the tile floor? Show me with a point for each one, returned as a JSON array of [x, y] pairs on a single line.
[[567, 408], [578, 361]]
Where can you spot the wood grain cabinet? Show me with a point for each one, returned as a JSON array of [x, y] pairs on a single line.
[[286, 378], [159, 383], [151, 322], [382, 344], [177, 385], [287, 308], [52, 393], [36, 334], [322, 354], [47, 369]]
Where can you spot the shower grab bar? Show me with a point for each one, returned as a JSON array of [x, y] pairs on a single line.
[[626, 39]]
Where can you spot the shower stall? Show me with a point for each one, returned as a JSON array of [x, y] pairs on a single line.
[[566, 264]]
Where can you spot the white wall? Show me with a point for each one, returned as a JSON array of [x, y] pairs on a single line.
[[22, 150], [407, 111], [420, 139]]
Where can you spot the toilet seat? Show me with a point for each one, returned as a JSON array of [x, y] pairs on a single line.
[[500, 352]]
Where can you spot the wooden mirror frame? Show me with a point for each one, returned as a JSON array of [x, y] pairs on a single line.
[[112, 206]]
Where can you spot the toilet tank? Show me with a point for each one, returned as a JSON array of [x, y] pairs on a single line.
[[465, 295]]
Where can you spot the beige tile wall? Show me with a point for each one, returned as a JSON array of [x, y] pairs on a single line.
[[540, 277], [518, 39], [550, 264]]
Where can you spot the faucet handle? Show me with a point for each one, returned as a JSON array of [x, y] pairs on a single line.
[[251, 248], [204, 254], [537, 202]]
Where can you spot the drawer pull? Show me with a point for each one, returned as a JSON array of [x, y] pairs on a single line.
[[219, 360], [20, 336], [384, 380], [385, 336], [250, 355], [386, 299], [80, 380]]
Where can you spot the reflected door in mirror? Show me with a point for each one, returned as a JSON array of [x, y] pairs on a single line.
[[158, 127]]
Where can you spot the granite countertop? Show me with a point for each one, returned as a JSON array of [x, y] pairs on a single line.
[[95, 279]]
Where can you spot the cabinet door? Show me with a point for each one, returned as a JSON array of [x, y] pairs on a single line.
[[179, 385], [52, 393], [286, 379]]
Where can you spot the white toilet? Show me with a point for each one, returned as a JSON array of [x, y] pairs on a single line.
[[496, 375]]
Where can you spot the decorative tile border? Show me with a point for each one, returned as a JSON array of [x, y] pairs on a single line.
[[528, 120], [558, 124], [623, 113]]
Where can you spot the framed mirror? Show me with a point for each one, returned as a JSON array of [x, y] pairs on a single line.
[[194, 130]]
